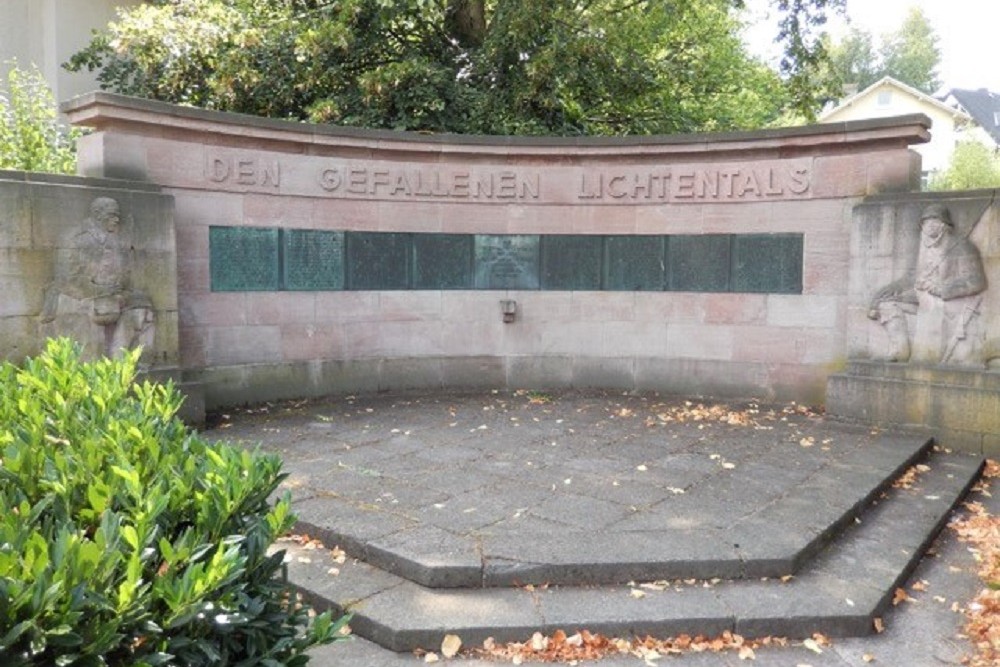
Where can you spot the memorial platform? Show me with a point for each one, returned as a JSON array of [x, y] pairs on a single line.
[[500, 514]]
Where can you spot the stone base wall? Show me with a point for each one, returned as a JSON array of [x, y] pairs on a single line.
[[960, 407]]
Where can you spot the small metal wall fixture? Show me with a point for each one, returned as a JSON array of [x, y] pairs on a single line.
[[509, 309]]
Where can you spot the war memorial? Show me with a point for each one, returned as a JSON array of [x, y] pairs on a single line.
[[467, 282]]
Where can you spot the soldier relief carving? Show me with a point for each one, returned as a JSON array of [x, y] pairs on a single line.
[[935, 314], [92, 298]]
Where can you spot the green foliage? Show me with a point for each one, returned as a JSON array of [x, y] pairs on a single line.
[[31, 138], [125, 539], [560, 67], [910, 54], [973, 165], [854, 59]]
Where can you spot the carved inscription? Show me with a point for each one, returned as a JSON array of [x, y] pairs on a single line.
[[244, 171], [362, 181], [700, 184], [557, 184]]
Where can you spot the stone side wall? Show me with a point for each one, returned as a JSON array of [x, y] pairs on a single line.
[[41, 215], [946, 381], [227, 170]]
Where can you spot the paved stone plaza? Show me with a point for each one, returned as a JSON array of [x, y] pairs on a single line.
[[502, 513]]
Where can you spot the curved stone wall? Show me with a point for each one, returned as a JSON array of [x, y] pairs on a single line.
[[314, 259]]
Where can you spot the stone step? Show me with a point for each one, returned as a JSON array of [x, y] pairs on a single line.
[[747, 547], [839, 593]]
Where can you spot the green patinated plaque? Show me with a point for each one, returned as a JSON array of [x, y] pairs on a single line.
[[507, 261], [442, 261], [378, 261], [634, 263], [244, 259], [699, 263], [769, 263], [571, 262], [314, 260]]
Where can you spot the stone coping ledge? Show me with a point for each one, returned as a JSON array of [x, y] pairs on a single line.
[[42, 178], [104, 111]]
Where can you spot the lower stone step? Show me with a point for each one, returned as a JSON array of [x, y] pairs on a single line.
[[839, 593]]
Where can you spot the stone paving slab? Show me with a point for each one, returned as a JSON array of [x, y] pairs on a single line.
[[524, 481]]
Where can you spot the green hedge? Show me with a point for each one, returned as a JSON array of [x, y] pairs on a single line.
[[127, 539]]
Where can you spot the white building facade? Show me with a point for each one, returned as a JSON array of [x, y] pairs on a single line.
[[46, 33]]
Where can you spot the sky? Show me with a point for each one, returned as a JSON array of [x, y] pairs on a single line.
[[968, 32]]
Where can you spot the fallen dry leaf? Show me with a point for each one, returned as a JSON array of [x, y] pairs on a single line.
[[432, 657], [812, 645], [900, 596], [868, 657], [878, 625], [451, 645], [746, 653]]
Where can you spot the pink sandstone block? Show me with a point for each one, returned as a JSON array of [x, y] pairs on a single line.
[[634, 339], [342, 214], [806, 310], [540, 306], [408, 306], [744, 219], [602, 306], [410, 217], [685, 307], [474, 219], [306, 342], [204, 209], [268, 210], [409, 339], [470, 339], [689, 341], [193, 276], [213, 309], [734, 308], [346, 306], [243, 345], [606, 220], [362, 340], [841, 176], [280, 308], [669, 219], [764, 344], [191, 343], [893, 172]]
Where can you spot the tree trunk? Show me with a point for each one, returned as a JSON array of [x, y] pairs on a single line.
[[465, 20]]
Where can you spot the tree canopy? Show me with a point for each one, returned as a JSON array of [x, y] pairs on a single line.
[[910, 55], [563, 67], [973, 165]]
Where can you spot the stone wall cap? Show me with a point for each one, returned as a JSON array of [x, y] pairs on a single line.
[[112, 111], [44, 178]]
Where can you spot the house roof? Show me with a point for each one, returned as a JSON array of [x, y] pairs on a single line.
[[909, 90], [982, 105]]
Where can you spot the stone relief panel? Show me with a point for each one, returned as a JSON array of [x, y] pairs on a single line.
[[926, 285], [92, 297]]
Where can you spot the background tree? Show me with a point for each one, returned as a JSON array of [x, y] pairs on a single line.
[[910, 55], [854, 60], [31, 138], [473, 66], [973, 165]]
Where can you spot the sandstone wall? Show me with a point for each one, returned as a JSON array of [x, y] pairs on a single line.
[[230, 171]]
